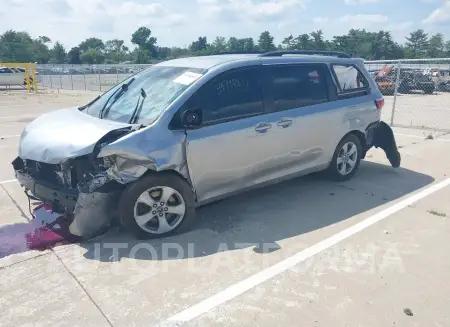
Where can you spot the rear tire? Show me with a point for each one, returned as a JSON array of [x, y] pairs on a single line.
[[346, 159], [146, 196]]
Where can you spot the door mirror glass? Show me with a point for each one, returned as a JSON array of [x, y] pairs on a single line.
[[192, 118]]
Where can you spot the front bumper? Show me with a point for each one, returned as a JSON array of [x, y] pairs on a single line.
[[62, 200], [90, 213]]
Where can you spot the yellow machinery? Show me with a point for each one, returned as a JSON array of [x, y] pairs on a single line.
[[30, 71]]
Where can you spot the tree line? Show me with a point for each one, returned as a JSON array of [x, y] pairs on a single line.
[[17, 46]]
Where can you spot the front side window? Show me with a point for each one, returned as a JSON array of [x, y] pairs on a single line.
[[349, 78], [232, 95], [297, 86], [143, 97]]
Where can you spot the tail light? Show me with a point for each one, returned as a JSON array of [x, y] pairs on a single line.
[[379, 103]]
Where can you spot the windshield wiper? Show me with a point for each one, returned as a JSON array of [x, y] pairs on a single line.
[[118, 93], [90, 103], [137, 111]]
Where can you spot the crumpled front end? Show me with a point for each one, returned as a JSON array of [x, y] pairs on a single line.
[[83, 194], [87, 188]]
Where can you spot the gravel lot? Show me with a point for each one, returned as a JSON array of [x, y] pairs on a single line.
[[369, 252]]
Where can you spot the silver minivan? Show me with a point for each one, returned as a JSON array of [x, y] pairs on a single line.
[[189, 131]]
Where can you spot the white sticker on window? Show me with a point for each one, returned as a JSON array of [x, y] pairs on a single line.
[[187, 78]]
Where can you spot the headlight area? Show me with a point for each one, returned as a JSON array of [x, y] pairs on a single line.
[[124, 170], [115, 169], [99, 193], [97, 176]]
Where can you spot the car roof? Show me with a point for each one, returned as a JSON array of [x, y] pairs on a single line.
[[207, 62]]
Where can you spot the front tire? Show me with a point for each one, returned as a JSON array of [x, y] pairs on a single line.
[[346, 159], [157, 205]]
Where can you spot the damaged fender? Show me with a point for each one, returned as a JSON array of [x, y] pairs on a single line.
[[144, 150]]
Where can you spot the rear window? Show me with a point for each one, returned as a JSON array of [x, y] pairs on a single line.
[[349, 78]]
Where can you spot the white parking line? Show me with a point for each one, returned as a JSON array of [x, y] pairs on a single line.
[[8, 181], [239, 288]]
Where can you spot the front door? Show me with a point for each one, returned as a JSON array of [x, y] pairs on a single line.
[[228, 152]]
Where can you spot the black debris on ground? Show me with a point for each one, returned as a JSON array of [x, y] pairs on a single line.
[[408, 312]]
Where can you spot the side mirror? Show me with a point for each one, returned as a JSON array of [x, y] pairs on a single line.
[[192, 118]]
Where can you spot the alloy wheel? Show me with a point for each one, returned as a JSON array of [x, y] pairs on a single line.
[[159, 210], [347, 158]]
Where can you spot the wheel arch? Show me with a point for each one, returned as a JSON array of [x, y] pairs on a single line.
[[362, 139], [150, 172], [361, 136]]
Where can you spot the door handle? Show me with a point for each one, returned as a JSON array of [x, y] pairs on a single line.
[[284, 122], [263, 127]]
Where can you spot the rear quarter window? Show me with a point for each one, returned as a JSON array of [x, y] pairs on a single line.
[[349, 78]]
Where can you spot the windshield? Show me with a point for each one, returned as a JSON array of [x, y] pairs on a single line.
[[162, 85]]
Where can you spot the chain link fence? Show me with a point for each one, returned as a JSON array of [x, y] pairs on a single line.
[[85, 77], [416, 91]]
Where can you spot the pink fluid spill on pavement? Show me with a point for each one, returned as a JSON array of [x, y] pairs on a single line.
[[34, 235]]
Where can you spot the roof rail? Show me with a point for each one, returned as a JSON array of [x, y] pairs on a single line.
[[306, 52], [240, 52]]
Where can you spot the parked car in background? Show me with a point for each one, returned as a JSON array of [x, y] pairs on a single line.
[[441, 79], [414, 80], [36, 73], [11, 76], [385, 84]]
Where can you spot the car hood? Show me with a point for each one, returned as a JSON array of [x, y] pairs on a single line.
[[63, 134]]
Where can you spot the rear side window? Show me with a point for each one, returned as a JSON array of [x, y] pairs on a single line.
[[232, 95], [349, 78], [297, 86]]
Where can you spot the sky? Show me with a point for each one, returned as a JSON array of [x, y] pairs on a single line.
[[179, 22]]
